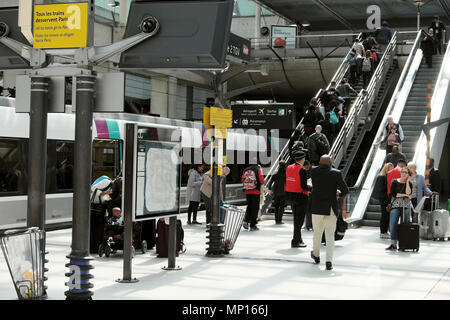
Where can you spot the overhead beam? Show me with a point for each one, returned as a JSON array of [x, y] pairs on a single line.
[[338, 17]]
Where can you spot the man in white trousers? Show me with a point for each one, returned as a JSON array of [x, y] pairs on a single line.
[[324, 206]]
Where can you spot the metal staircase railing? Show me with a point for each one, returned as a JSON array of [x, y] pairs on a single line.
[[359, 196], [284, 154]]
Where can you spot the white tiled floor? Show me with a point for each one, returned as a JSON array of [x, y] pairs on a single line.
[[261, 266]]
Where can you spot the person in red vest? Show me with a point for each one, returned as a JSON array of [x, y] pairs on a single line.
[[297, 192], [395, 174]]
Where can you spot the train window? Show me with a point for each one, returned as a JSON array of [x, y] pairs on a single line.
[[64, 165], [105, 158], [11, 168]]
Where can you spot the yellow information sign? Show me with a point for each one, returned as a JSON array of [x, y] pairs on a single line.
[[221, 118], [60, 25]]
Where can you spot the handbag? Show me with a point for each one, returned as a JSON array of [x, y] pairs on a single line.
[[333, 117]]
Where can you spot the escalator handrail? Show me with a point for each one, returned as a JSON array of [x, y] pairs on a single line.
[[337, 77], [365, 96], [380, 132]]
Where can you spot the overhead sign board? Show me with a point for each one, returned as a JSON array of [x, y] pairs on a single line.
[[238, 48], [288, 33], [60, 25], [273, 116]]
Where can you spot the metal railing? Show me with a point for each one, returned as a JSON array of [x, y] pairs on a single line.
[[363, 104], [298, 42], [284, 154], [355, 201]]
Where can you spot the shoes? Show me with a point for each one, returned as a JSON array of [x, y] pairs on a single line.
[[300, 244], [392, 247], [329, 265], [195, 222], [308, 229], [385, 236], [245, 225], [255, 228], [279, 222], [189, 222], [316, 259]]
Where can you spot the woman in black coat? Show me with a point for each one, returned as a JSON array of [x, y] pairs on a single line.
[[380, 192]]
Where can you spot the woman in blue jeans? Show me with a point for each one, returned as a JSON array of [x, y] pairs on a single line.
[[399, 198]]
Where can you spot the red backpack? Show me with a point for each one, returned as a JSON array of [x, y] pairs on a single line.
[[250, 179]]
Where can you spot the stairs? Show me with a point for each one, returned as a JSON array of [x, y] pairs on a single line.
[[412, 118]]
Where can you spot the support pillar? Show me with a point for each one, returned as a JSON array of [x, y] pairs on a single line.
[[159, 97], [257, 24], [79, 256]]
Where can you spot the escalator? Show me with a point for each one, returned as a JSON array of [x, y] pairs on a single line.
[[408, 106], [363, 112]]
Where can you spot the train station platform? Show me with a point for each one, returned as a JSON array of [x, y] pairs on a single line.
[[262, 266]]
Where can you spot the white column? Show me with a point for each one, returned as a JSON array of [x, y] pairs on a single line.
[[257, 24], [172, 97], [123, 12], [159, 97]]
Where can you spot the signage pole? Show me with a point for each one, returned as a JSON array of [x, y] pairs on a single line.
[[37, 162]]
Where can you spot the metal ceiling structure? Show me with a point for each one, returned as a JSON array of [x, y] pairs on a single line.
[[326, 15]]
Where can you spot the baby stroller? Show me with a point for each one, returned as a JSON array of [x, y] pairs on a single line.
[[113, 240]]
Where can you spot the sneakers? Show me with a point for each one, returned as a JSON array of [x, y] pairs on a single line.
[[329, 265], [385, 236], [316, 259], [299, 244], [245, 225], [392, 247], [255, 228]]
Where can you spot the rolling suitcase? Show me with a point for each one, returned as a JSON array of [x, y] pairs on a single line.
[[425, 221], [439, 220], [408, 235]]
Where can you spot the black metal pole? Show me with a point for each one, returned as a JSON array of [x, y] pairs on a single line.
[[79, 256], [37, 150], [37, 161], [130, 145], [215, 229]]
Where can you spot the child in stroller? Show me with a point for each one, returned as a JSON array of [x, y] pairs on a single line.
[[113, 238]]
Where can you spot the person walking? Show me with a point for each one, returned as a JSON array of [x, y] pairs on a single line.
[[438, 29], [326, 182], [380, 192], [395, 174], [318, 145], [310, 117], [193, 195], [419, 189], [383, 36], [352, 60], [330, 98], [366, 68], [395, 156], [279, 196], [399, 205], [427, 47], [297, 192], [252, 179], [344, 89]]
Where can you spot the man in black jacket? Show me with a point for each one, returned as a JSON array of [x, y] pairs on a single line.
[[279, 196], [438, 28], [427, 46], [324, 206]]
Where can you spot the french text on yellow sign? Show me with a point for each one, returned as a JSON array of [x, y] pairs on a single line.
[[221, 117], [60, 25]]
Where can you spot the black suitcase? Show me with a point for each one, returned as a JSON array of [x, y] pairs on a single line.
[[408, 235]]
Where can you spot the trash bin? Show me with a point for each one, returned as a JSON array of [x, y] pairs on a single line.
[[24, 257], [234, 218]]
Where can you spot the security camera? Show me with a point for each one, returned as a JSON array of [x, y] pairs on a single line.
[[149, 25], [4, 30]]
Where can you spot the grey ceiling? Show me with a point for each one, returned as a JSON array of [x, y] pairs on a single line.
[[352, 14]]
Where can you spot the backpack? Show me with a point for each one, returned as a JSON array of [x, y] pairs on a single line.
[[334, 119], [250, 180], [100, 185], [310, 116], [353, 61], [366, 65], [322, 146]]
